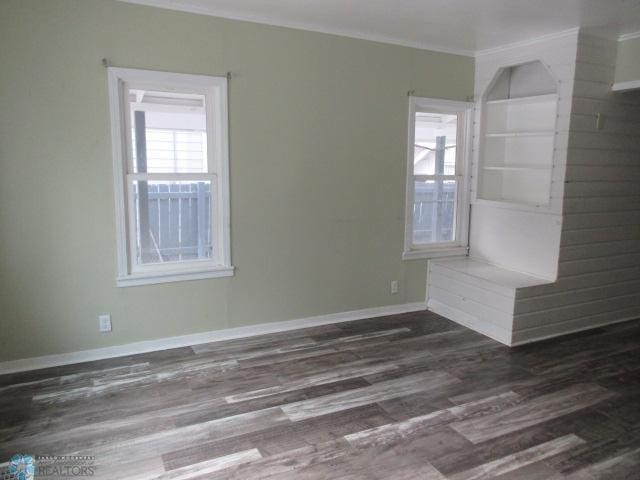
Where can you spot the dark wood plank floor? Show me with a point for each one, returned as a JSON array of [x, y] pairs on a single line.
[[409, 396]]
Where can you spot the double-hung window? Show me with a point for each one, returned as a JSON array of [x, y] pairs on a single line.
[[436, 202], [170, 152]]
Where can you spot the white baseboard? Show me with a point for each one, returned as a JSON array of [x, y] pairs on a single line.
[[46, 361], [485, 328]]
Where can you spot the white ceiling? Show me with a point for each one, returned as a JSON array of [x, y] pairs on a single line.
[[458, 26]]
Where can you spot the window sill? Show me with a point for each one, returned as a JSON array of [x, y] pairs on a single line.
[[170, 277], [434, 253]]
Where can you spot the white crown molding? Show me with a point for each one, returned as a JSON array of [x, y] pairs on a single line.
[[532, 41], [629, 36], [47, 361], [189, 8], [185, 6]]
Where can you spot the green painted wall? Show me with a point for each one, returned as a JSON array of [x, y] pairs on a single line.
[[318, 127], [628, 62]]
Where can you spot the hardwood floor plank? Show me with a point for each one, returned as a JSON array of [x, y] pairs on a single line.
[[360, 337], [478, 394], [281, 399], [389, 433], [530, 413], [401, 430], [419, 447], [587, 424], [363, 396], [210, 466], [42, 385], [283, 437], [518, 460], [104, 386], [142, 468], [356, 369], [532, 471], [491, 405], [286, 358], [605, 440], [621, 467], [289, 465]]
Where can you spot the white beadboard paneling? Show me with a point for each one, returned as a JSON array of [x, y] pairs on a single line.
[[594, 235], [581, 122], [599, 271], [494, 277], [604, 141], [473, 291], [601, 189], [561, 299], [583, 156], [594, 72], [600, 249], [577, 267], [471, 307], [491, 330], [588, 322], [586, 173], [605, 219], [568, 285], [602, 204], [576, 311], [586, 106], [591, 89], [603, 53]]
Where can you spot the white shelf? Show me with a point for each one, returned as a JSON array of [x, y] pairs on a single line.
[[542, 133], [518, 138], [551, 97], [518, 168], [483, 270], [512, 203]]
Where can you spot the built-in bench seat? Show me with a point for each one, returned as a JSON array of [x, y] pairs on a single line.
[[477, 294]]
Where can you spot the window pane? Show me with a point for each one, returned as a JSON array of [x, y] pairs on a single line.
[[172, 221], [434, 211], [435, 144], [168, 132]]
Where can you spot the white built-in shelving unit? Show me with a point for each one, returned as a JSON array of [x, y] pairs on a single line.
[[517, 137], [520, 146]]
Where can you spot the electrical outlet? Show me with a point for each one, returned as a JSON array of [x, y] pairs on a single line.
[[394, 286], [104, 323]]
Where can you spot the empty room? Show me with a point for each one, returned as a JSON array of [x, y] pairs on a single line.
[[320, 239]]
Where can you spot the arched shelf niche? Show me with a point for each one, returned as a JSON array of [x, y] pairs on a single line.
[[518, 130]]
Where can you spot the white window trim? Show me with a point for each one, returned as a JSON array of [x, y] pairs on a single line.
[[463, 152], [215, 91]]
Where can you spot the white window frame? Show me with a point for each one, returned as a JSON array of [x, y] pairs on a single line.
[[214, 89], [459, 246]]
